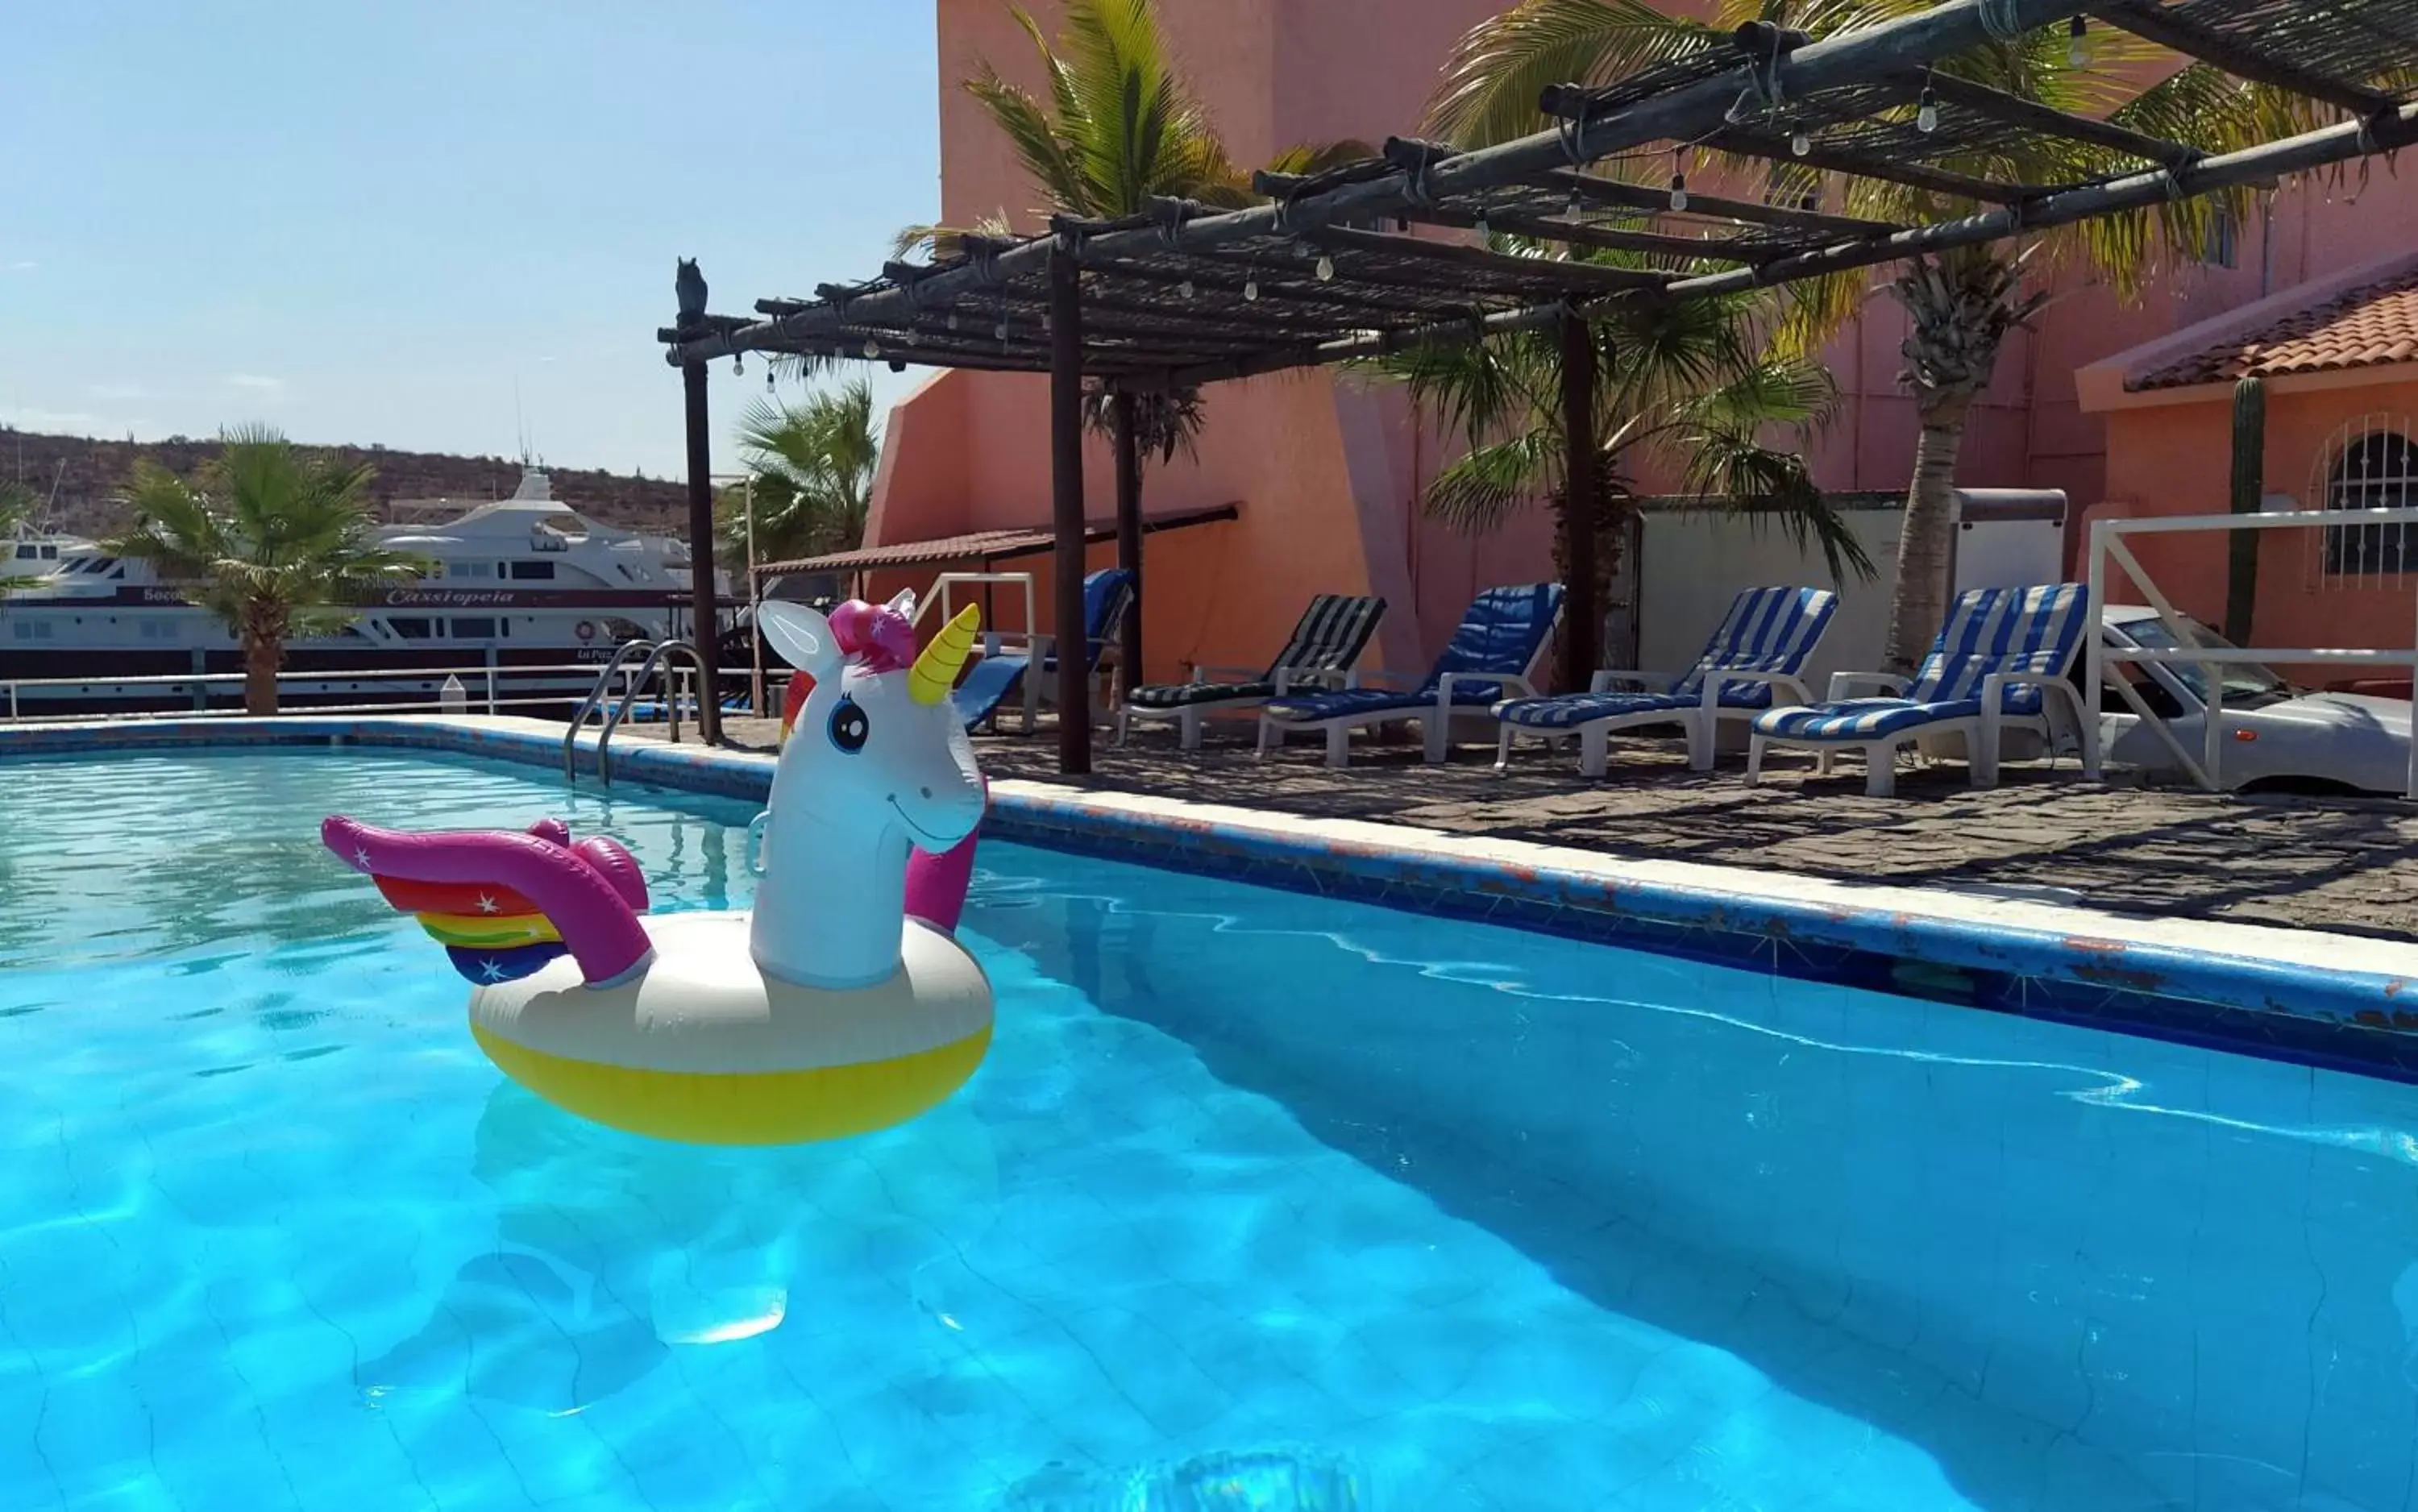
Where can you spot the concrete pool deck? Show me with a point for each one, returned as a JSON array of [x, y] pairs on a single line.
[[1733, 884], [2341, 865]]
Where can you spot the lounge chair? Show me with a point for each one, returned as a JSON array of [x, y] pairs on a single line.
[[1107, 595], [1501, 636], [1999, 663], [1333, 632], [1760, 646]]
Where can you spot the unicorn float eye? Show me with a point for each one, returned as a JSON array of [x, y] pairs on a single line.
[[849, 728]]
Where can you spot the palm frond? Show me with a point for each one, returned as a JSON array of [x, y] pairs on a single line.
[[813, 461], [17, 505], [1033, 137], [1486, 485], [1496, 73], [1766, 487], [265, 535]]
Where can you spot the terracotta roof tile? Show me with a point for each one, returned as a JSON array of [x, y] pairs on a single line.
[[2366, 326]]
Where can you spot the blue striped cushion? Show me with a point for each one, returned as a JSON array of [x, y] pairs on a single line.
[[1766, 630], [2003, 630], [1352, 701], [1573, 710], [1863, 719]]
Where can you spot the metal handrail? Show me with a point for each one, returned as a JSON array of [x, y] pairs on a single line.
[[596, 696], [659, 656]]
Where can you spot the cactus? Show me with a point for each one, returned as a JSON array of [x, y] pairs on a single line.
[[2249, 486]]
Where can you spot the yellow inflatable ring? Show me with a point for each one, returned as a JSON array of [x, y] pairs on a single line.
[[702, 1048]]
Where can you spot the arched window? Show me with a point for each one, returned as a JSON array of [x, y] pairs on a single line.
[[2374, 467]]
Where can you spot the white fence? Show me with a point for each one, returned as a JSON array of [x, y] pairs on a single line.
[[2107, 543], [490, 689]]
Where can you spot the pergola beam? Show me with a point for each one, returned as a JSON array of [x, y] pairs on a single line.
[[1066, 512], [1612, 192], [2340, 143], [1684, 114], [1589, 278], [2030, 115], [1350, 348], [1544, 228], [1862, 165], [1277, 285], [2154, 23]]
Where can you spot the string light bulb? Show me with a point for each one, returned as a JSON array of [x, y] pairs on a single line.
[[953, 320], [738, 363], [2077, 47], [1001, 331], [1184, 288], [1251, 290], [1800, 143], [768, 378], [1926, 115], [1485, 227], [1326, 270], [1678, 183], [872, 347]]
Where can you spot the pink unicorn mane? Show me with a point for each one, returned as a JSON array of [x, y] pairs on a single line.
[[875, 636]]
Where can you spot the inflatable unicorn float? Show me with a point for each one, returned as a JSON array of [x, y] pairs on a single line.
[[841, 1003]]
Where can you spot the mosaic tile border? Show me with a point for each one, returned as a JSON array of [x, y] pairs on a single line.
[[2342, 1020]]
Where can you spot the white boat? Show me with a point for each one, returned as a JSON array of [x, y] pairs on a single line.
[[525, 581]]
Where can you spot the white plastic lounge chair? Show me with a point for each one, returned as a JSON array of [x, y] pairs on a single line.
[[1332, 633], [1999, 663], [1759, 647], [1501, 636]]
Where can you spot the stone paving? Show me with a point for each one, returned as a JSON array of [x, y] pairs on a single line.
[[2344, 865]]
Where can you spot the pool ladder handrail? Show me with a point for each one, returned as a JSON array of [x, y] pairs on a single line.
[[658, 655]]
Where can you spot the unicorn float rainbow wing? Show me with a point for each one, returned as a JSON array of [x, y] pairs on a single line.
[[841, 1003]]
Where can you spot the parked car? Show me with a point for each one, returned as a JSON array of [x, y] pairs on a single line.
[[2280, 737]]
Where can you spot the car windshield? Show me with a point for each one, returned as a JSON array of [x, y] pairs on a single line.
[[2245, 682]]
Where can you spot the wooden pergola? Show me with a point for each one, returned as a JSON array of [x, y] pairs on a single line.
[[1331, 269]]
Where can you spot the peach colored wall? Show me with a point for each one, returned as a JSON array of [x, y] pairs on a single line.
[[1328, 475], [2176, 459]]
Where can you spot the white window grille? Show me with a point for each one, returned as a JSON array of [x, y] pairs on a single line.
[[2370, 465]]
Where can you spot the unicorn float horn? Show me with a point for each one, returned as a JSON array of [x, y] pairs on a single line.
[[935, 672]]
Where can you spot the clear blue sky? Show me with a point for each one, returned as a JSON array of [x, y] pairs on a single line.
[[364, 220]]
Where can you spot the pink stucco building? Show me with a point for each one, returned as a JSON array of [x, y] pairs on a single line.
[[1326, 473]]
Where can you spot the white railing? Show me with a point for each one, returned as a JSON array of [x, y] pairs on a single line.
[[2107, 544], [492, 680], [944, 585]]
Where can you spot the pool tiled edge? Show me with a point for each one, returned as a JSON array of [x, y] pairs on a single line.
[[2297, 995]]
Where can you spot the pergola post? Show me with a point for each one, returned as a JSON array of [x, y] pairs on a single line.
[[689, 286], [1582, 503], [1066, 507], [1129, 535]]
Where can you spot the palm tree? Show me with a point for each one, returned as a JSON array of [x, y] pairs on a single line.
[[1117, 130], [17, 503], [276, 543], [1689, 388], [1961, 304], [813, 463]]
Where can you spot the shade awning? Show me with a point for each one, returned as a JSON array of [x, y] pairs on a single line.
[[985, 545]]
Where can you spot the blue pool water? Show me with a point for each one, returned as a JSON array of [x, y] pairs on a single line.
[[1260, 1201]]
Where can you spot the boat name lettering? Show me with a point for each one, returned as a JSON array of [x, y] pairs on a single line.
[[448, 598]]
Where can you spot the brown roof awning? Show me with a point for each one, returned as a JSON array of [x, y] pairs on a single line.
[[985, 545]]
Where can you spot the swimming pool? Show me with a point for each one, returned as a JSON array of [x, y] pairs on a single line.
[[1259, 1197]]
